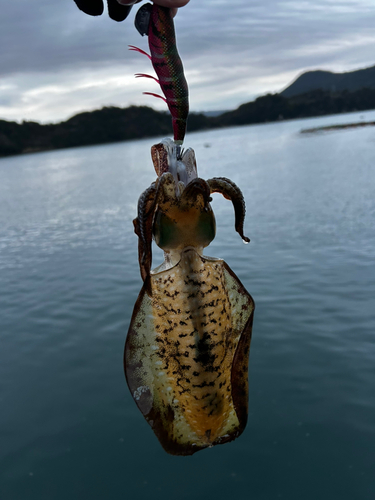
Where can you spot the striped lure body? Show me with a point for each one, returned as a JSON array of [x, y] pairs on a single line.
[[186, 353], [157, 23]]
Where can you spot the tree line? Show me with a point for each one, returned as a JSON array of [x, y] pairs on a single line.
[[112, 124]]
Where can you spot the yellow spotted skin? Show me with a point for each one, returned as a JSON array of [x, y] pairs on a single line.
[[187, 351]]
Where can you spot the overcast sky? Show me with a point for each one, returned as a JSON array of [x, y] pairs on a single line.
[[56, 61]]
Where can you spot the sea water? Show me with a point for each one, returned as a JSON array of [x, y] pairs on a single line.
[[69, 277]]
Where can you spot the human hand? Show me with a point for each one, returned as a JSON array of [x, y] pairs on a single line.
[[118, 10], [172, 4]]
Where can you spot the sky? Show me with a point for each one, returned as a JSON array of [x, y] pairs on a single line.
[[56, 61]]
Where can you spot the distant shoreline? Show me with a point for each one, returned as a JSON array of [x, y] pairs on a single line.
[[339, 126], [111, 124]]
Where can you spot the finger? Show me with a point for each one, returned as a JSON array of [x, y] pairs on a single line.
[[172, 3], [128, 2], [91, 7], [118, 12]]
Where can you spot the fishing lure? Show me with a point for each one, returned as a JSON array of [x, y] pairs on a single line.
[[157, 23], [186, 353]]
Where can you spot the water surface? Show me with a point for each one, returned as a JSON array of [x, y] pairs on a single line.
[[69, 279]]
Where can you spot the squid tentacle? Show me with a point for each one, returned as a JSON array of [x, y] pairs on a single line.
[[232, 192], [143, 224], [143, 229]]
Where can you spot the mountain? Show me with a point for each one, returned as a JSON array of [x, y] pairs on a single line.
[[333, 82]]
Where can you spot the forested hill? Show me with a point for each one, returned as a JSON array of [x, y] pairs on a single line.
[[106, 125], [334, 82], [113, 124]]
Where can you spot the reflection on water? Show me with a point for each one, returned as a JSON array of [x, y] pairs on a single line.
[[69, 280]]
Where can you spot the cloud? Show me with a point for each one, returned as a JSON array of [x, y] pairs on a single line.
[[58, 61]]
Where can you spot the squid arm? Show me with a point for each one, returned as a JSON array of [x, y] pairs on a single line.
[[232, 192], [143, 229]]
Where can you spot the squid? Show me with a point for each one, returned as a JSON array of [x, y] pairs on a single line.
[[187, 349]]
